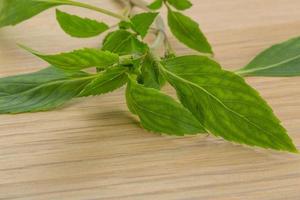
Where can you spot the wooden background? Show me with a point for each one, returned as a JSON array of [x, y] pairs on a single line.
[[94, 149]]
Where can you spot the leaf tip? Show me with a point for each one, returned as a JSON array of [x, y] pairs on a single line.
[[27, 48], [293, 149], [58, 12]]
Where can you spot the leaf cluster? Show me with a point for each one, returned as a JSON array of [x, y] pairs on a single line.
[[210, 98]]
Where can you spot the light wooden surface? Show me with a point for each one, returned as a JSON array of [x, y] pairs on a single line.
[[94, 149]]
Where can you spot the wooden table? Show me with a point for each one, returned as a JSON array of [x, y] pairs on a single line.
[[94, 149]]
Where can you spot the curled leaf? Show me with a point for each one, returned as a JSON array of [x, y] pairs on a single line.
[[123, 42]]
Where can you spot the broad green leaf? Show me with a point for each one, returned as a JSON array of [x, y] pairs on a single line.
[[159, 112], [150, 75], [109, 80], [79, 59], [224, 104], [155, 5], [188, 32], [39, 94], [80, 27], [52, 87], [16, 84], [180, 4], [13, 12], [279, 60], [123, 42], [142, 22]]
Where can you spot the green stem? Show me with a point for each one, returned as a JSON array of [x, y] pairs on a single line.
[[140, 3], [160, 27], [241, 72], [87, 6], [168, 46], [101, 10]]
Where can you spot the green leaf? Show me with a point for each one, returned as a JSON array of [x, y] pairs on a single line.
[[125, 25], [180, 4], [80, 27], [109, 80], [16, 84], [155, 5], [188, 32], [142, 22], [79, 59], [279, 60], [13, 12], [159, 112], [52, 87], [123, 42], [150, 75], [224, 104], [40, 91]]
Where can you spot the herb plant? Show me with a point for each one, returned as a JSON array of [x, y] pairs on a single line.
[[210, 99]]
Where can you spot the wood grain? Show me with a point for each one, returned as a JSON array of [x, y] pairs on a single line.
[[94, 149]]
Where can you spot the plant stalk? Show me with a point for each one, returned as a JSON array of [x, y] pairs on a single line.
[[87, 6], [161, 37], [101, 10]]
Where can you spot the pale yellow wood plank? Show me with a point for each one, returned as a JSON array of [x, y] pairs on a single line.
[[94, 149]]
